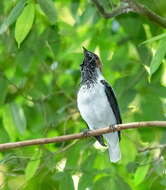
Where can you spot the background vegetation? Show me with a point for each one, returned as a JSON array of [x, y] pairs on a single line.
[[40, 54]]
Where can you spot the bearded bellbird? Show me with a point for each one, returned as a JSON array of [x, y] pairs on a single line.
[[97, 103]]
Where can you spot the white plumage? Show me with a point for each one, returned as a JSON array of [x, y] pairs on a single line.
[[95, 109]]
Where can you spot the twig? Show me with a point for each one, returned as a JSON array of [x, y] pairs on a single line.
[[115, 12], [161, 146], [105, 130], [131, 6], [145, 11]]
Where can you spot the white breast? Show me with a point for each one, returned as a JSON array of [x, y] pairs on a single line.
[[94, 106]]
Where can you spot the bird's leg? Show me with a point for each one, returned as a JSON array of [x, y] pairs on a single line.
[[113, 128]]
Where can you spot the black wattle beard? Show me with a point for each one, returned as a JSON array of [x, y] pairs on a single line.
[[88, 76]]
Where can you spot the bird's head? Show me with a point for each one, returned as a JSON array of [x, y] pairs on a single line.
[[91, 61], [90, 68]]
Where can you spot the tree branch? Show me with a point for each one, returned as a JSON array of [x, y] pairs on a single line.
[[145, 11], [160, 146], [115, 12], [105, 130], [131, 6]]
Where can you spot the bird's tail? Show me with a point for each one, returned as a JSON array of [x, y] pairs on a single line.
[[113, 146]]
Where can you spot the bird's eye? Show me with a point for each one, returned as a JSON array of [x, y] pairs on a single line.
[[89, 56]]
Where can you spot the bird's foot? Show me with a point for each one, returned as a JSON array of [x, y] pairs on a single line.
[[113, 128], [85, 132]]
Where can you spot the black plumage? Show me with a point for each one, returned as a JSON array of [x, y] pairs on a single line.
[[113, 102]]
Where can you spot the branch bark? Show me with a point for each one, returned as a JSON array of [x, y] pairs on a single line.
[[145, 11], [131, 6], [115, 12], [105, 130], [160, 146]]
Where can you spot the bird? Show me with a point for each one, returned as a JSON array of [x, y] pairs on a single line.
[[97, 103]]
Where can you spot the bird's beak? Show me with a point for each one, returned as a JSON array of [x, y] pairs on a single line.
[[87, 54], [85, 50]]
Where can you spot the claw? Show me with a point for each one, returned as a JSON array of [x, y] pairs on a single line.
[[85, 133], [113, 128]]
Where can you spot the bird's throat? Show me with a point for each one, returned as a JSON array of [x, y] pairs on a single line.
[[88, 77]]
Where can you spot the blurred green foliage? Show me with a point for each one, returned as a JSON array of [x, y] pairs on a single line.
[[40, 53]]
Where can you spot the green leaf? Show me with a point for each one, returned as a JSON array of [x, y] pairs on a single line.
[[14, 120], [3, 90], [105, 182], [66, 177], [131, 146], [86, 181], [67, 182], [15, 12], [158, 37], [33, 165], [158, 57], [48, 8], [140, 174], [121, 184], [18, 117], [8, 122], [24, 23]]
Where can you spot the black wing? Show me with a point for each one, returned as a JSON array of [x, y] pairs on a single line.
[[99, 138], [113, 102]]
